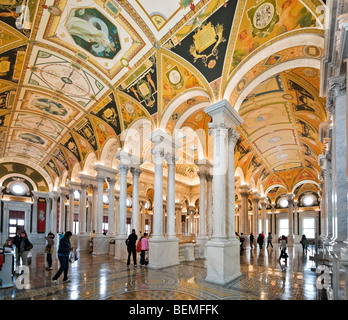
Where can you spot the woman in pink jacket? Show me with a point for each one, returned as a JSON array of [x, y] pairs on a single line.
[[144, 247]]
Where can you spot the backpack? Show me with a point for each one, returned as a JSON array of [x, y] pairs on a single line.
[[139, 246]]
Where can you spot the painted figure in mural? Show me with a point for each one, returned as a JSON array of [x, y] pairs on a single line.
[[288, 21], [86, 30]]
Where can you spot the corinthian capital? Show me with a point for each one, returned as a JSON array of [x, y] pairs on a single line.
[[233, 135], [337, 86]]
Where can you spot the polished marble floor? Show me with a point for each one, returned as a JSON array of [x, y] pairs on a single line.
[[103, 278]]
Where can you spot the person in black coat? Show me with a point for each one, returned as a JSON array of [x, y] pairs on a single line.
[[131, 248], [63, 256], [17, 242], [260, 240]]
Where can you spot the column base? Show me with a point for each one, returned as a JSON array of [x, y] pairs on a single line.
[[223, 261], [83, 242], [202, 246], [163, 253], [290, 241], [121, 248], [100, 244]]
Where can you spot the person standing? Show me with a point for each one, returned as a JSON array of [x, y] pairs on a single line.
[[24, 248], [260, 240], [304, 241], [17, 242], [91, 240], [269, 240], [63, 256], [131, 248], [283, 246], [144, 249], [49, 249], [251, 240], [242, 239]]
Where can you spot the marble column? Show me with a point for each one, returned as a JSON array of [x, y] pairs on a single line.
[[239, 203], [82, 209], [70, 219], [337, 90], [123, 200], [111, 208], [48, 220], [223, 255], [233, 137], [34, 216], [178, 218], [295, 215], [329, 205], [263, 201], [163, 252], [158, 195], [255, 196], [100, 206], [171, 160], [135, 203], [203, 173], [62, 213], [54, 211], [94, 214], [290, 198], [244, 213], [210, 204], [273, 217], [323, 207]]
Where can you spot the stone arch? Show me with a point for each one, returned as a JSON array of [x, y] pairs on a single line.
[[136, 136], [175, 103], [75, 172], [89, 164], [296, 40], [304, 182], [107, 157]]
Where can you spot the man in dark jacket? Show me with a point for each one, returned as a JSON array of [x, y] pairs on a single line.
[[17, 242], [63, 256], [131, 248]]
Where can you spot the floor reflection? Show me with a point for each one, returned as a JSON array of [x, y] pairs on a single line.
[[101, 277]]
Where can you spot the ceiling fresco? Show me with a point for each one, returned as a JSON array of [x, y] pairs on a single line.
[[76, 74]]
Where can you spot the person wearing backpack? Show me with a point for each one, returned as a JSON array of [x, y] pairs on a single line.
[[131, 248]]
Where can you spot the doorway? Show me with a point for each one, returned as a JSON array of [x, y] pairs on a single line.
[[16, 220]]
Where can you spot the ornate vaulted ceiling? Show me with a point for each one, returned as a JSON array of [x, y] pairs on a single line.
[[74, 75]]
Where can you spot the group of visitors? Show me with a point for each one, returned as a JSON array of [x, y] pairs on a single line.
[[260, 240], [141, 247], [21, 247]]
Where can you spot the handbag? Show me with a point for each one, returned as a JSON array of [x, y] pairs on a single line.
[[29, 246], [71, 257], [139, 246]]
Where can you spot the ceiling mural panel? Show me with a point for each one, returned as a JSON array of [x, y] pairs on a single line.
[[144, 88], [95, 32], [264, 20], [53, 107], [40, 124], [208, 42], [108, 112], [57, 74], [176, 79]]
